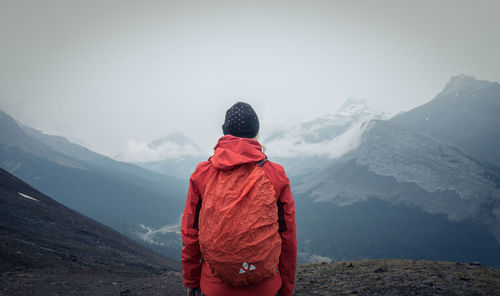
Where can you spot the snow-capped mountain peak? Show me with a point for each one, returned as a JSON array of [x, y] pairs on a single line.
[[354, 107], [331, 135]]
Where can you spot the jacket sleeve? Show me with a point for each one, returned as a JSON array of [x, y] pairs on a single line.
[[191, 254], [288, 257]]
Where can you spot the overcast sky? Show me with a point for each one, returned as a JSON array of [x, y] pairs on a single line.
[[108, 72]]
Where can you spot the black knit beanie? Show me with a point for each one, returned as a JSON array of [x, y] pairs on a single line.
[[241, 121]]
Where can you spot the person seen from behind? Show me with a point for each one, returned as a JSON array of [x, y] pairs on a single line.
[[238, 226]]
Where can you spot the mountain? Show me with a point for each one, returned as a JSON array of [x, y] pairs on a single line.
[[120, 195], [401, 195], [48, 248], [396, 192], [464, 114], [177, 156], [308, 147], [465, 187], [328, 136]]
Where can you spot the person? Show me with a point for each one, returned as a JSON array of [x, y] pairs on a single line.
[[238, 147]]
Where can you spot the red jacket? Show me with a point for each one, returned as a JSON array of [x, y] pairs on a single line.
[[231, 151]]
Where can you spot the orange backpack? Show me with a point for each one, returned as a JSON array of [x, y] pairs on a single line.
[[238, 226]]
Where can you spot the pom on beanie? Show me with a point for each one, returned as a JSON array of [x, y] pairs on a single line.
[[241, 121]]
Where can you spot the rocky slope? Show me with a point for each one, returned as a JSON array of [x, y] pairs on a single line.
[[68, 281], [367, 277], [450, 182], [397, 277], [46, 247]]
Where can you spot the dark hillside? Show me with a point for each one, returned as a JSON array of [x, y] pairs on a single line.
[[43, 240]]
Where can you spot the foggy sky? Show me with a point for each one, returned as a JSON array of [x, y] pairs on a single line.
[[110, 72]]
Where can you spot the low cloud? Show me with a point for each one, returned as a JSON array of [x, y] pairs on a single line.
[[293, 144], [138, 151]]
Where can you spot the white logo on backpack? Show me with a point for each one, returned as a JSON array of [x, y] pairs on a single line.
[[246, 268]]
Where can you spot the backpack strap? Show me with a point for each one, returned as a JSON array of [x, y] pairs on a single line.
[[262, 162], [197, 213]]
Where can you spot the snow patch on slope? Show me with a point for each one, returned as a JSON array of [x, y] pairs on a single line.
[[27, 196]]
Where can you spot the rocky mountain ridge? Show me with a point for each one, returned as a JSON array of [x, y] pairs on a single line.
[[463, 115], [121, 195]]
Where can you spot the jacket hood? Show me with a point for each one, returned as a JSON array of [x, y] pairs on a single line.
[[231, 151]]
